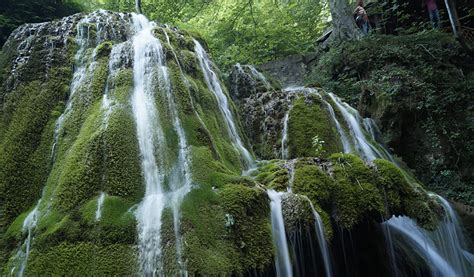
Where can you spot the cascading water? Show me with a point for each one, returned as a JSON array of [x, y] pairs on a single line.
[[451, 238], [284, 137], [364, 148], [258, 75], [149, 61], [31, 221], [100, 204], [28, 226], [442, 249], [214, 86], [116, 58], [180, 179], [291, 173], [282, 258], [149, 213], [319, 227], [345, 142]]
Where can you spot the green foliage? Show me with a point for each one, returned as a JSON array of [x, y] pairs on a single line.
[[318, 145], [238, 31]]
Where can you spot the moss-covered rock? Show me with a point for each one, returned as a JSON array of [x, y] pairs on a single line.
[[83, 258], [309, 118], [251, 230], [417, 88]]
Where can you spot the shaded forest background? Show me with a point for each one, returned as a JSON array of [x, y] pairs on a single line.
[[245, 31]]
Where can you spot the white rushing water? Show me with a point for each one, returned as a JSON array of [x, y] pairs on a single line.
[[364, 148], [146, 60], [100, 204], [284, 137], [346, 146], [282, 258], [214, 86], [420, 241], [180, 178], [28, 226], [149, 63], [442, 249], [323, 247]]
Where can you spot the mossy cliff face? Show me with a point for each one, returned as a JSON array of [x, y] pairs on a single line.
[[71, 177], [349, 191], [308, 113], [68, 135], [418, 89]]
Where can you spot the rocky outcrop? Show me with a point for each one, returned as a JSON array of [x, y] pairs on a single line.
[[290, 71], [246, 80]]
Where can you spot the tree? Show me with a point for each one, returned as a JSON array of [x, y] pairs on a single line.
[[344, 26], [138, 6]]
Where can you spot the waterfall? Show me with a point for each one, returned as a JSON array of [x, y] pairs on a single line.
[[364, 147], [284, 137], [28, 226], [291, 174], [258, 75], [391, 249], [100, 203], [370, 126], [80, 60], [116, 60], [282, 258], [180, 179], [149, 61], [346, 146], [442, 249], [421, 243], [214, 86], [323, 247], [451, 239], [149, 213], [78, 78]]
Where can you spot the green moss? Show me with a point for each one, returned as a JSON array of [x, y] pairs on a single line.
[[404, 197], [117, 223], [311, 181], [207, 248], [354, 196], [392, 183], [83, 259], [206, 170], [81, 173], [27, 140], [251, 231], [15, 230], [307, 120], [103, 49], [121, 151]]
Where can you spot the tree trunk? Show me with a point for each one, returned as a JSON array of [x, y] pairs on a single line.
[[453, 17], [344, 26], [138, 6]]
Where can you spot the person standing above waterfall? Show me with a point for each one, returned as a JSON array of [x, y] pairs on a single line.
[[433, 12], [361, 17]]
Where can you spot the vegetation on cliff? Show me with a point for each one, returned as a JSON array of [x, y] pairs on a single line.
[[418, 88]]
